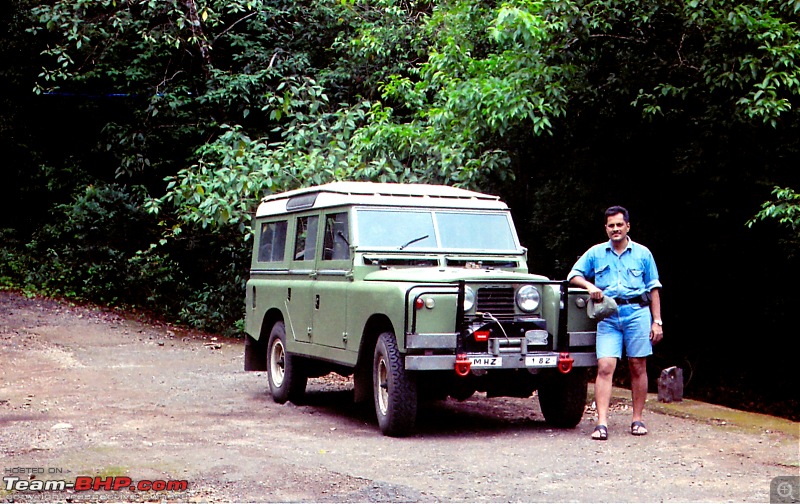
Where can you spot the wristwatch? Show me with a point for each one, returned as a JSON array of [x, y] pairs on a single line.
[[659, 321]]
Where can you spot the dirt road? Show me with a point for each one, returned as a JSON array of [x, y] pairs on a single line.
[[84, 392]]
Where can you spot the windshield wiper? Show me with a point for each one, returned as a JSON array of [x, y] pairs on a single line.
[[415, 240]]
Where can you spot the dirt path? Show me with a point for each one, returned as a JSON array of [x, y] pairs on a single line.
[[86, 393]]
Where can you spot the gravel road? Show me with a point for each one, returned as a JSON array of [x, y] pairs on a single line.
[[86, 392]]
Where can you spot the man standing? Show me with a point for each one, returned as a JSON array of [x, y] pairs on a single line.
[[626, 271]]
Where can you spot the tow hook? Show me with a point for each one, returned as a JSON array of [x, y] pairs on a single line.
[[565, 362], [463, 365]]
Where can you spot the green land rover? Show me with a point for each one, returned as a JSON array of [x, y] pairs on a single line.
[[417, 291]]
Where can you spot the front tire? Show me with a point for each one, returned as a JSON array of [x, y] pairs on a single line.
[[562, 398], [287, 381], [394, 390]]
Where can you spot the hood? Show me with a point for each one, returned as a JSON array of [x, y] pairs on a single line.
[[449, 275]]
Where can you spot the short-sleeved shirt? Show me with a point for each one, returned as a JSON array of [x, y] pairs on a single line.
[[625, 276]]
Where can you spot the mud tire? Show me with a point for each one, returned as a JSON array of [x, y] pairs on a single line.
[[394, 389], [287, 381], [562, 398]]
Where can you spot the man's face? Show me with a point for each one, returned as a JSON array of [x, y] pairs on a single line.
[[617, 228]]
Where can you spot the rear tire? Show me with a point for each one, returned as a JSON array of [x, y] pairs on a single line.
[[287, 381], [562, 397], [394, 390]]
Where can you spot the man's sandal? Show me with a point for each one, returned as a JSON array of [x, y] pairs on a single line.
[[638, 428], [602, 433]]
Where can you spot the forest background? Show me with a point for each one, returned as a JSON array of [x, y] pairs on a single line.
[[137, 136]]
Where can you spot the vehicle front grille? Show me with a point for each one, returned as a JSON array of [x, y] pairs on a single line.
[[499, 301]]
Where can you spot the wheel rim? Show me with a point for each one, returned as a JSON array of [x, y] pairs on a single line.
[[383, 386], [277, 363]]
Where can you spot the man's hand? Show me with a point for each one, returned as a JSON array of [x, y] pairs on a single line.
[[594, 292], [581, 282], [656, 333]]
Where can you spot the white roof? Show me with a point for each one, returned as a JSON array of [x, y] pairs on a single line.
[[378, 194]]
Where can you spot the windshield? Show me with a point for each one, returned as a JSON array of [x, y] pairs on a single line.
[[443, 230]]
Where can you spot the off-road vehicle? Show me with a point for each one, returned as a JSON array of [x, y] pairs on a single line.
[[417, 291]]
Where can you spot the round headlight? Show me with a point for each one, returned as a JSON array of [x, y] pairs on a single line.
[[469, 299], [527, 298]]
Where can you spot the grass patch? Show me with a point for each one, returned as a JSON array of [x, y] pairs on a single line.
[[712, 413]]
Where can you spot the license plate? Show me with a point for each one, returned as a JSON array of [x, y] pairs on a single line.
[[541, 361], [486, 362]]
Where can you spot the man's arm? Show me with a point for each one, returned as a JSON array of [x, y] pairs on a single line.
[[594, 292], [656, 331], [585, 266]]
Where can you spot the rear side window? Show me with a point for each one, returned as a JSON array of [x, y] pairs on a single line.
[[272, 244]]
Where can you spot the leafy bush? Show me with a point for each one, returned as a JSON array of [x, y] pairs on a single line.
[[13, 263], [84, 250], [104, 247], [214, 267]]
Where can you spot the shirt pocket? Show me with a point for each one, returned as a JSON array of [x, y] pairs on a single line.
[[635, 279], [603, 277]]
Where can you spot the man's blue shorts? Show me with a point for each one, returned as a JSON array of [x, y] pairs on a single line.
[[629, 327]]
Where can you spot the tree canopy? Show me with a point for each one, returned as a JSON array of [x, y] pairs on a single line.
[[273, 95]]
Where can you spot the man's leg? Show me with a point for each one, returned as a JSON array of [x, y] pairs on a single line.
[[638, 367], [638, 347], [602, 387], [608, 349]]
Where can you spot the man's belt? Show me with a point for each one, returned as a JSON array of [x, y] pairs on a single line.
[[634, 300]]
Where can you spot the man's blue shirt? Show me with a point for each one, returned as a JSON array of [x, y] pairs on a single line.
[[627, 275]]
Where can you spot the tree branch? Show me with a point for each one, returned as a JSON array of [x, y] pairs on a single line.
[[197, 31], [226, 30]]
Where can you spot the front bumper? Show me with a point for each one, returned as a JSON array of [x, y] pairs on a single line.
[[430, 352]]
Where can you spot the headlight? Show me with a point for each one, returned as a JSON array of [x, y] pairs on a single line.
[[469, 299], [527, 298]]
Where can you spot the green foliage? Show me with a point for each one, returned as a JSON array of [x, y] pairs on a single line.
[[103, 247], [211, 278], [756, 48], [182, 66], [717, 55], [785, 208], [375, 41], [85, 248], [304, 93], [223, 188], [437, 121], [13, 264]]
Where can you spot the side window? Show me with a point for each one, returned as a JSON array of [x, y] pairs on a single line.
[[272, 243], [305, 242], [337, 238]]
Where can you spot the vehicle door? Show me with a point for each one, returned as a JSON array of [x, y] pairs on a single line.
[[267, 287], [334, 273], [302, 273]]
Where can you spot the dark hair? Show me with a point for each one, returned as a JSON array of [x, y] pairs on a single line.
[[614, 210]]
